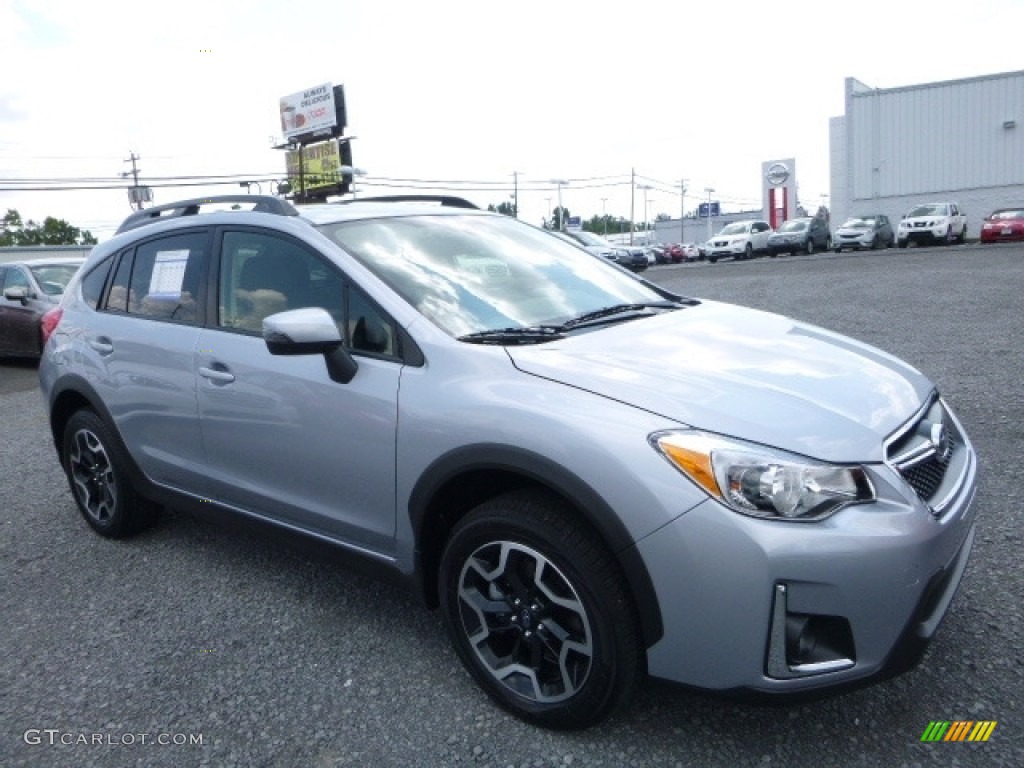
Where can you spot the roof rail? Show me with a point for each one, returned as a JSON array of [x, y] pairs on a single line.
[[445, 200], [263, 204]]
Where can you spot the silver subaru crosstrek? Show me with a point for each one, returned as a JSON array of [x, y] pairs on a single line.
[[593, 478]]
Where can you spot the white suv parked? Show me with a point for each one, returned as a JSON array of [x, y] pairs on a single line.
[[741, 240], [933, 223]]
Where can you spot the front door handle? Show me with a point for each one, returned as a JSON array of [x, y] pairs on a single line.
[[219, 375]]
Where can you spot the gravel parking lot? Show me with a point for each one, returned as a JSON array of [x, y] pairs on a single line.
[[200, 644]]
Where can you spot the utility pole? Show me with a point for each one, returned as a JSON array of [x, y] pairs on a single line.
[[137, 195], [632, 203], [604, 214], [682, 211]]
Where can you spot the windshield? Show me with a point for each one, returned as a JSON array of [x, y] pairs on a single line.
[[937, 209], [859, 223], [472, 273], [589, 238], [1016, 213], [54, 278], [793, 226], [735, 229]]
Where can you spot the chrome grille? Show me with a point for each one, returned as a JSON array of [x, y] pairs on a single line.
[[924, 451]]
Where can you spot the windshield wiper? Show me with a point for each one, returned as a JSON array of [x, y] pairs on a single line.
[[617, 309], [534, 334]]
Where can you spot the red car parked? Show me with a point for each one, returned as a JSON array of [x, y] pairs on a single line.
[[1005, 224]]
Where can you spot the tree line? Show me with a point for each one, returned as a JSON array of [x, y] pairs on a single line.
[[15, 231]]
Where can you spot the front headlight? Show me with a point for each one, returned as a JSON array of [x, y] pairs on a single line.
[[763, 482]]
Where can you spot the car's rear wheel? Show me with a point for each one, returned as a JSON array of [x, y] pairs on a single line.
[[962, 237], [98, 476], [538, 613]]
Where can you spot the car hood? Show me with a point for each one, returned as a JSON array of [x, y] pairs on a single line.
[[744, 373], [855, 230]]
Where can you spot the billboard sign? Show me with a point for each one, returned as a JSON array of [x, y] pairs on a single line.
[[702, 210], [321, 167], [308, 111]]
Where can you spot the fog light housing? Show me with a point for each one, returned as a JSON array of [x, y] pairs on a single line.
[[804, 644]]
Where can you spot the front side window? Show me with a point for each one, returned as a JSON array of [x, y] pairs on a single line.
[[469, 273], [16, 278], [262, 274]]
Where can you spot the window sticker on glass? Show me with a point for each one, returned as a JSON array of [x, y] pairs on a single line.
[[168, 274]]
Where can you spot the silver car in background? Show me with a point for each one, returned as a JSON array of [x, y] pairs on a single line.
[[594, 479]]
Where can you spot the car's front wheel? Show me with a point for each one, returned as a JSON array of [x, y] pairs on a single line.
[[538, 612], [809, 247], [98, 476]]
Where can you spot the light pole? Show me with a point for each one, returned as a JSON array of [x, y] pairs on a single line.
[[709, 190], [549, 207], [604, 215], [561, 211], [515, 194], [647, 223]]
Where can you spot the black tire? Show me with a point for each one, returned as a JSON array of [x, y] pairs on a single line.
[[839, 249], [713, 259], [97, 474], [902, 243], [489, 589], [875, 244], [809, 247], [748, 252], [962, 237]]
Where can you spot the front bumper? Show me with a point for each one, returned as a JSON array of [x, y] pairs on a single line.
[[864, 590], [854, 241], [727, 249], [923, 234]]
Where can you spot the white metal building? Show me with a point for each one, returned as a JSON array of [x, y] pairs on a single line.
[[959, 140], [20, 253]]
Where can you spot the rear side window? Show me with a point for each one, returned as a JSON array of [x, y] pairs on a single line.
[[92, 283], [161, 278]]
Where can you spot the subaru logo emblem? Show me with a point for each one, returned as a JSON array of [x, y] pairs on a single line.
[[939, 438]]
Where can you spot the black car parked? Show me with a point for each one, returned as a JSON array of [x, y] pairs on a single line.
[[28, 289]]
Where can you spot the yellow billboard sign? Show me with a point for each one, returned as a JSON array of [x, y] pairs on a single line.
[[320, 167]]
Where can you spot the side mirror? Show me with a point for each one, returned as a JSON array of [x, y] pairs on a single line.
[[17, 293], [310, 331]]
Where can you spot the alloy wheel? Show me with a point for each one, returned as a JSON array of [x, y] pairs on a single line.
[[525, 622], [93, 476]]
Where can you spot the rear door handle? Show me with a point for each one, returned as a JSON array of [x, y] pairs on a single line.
[[102, 344], [219, 374]]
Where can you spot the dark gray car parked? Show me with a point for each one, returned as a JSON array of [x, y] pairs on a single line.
[[593, 478], [28, 290], [807, 234]]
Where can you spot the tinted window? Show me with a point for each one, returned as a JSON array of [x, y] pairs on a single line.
[[92, 283], [16, 278], [160, 279]]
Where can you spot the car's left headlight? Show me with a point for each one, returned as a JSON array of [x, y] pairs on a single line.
[[763, 482]]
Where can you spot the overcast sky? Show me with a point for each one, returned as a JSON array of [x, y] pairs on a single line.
[[471, 91]]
